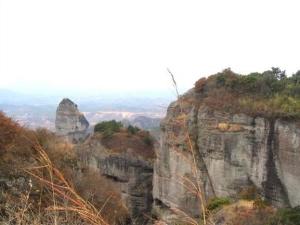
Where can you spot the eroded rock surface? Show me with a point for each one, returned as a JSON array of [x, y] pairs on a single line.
[[231, 152], [130, 171], [70, 122]]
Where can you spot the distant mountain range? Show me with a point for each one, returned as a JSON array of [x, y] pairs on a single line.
[[39, 110]]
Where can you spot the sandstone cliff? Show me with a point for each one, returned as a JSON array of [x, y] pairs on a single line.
[[233, 151], [70, 122]]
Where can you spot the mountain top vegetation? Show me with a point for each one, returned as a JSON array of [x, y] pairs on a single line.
[[116, 137], [271, 94], [108, 128]]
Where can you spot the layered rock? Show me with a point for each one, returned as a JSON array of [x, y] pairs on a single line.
[[226, 153], [130, 170], [70, 122]]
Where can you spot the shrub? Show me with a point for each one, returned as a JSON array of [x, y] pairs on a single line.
[[148, 140], [217, 202], [296, 78], [15, 141], [268, 94], [200, 84], [132, 129], [289, 216], [9, 130], [60, 152], [108, 127]]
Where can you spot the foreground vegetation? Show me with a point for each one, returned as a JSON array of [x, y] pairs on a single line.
[[43, 179], [250, 212], [42, 182]]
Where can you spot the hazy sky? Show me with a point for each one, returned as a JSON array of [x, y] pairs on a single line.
[[121, 45]]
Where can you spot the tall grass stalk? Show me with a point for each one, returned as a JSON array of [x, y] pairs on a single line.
[[194, 187], [62, 190]]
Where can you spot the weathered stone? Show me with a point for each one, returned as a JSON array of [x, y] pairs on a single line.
[[69, 122], [226, 154], [130, 174]]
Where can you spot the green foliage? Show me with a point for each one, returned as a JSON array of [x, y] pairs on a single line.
[[270, 93], [265, 84], [289, 216], [217, 202], [132, 129], [276, 106], [148, 140], [296, 78], [108, 128]]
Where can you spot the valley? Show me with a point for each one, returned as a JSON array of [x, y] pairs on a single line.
[[221, 147]]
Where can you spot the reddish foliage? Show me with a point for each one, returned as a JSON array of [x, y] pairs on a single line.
[[220, 99], [122, 141], [25, 152], [15, 142], [200, 84], [8, 131], [102, 193]]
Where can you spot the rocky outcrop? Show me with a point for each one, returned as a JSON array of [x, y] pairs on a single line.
[[146, 123], [130, 171], [69, 122], [125, 159], [226, 153]]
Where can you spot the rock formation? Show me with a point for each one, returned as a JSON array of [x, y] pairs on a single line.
[[232, 151], [129, 169], [70, 122], [125, 159]]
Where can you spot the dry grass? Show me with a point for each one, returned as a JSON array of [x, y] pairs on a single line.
[[8, 131], [62, 191], [122, 141], [193, 185], [244, 213], [36, 191], [103, 194]]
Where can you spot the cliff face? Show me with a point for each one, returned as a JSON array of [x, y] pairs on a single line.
[[70, 122], [130, 171], [231, 152]]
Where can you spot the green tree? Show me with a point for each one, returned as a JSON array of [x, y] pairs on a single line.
[[108, 127], [132, 129]]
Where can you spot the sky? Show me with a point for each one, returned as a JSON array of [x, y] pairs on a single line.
[[89, 46]]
